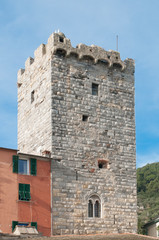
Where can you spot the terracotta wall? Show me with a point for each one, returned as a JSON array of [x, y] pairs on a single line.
[[38, 209], [8, 191]]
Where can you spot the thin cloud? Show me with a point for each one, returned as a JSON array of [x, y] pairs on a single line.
[[142, 160]]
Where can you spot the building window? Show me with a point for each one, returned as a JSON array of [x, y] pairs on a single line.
[[24, 224], [84, 118], [24, 192], [102, 163], [23, 166], [61, 39], [94, 89], [32, 96], [90, 208], [97, 209], [94, 207]]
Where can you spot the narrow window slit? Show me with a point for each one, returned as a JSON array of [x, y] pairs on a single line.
[[61, 39], [76, 175], [84, 118], [94, 89], [32, 96]]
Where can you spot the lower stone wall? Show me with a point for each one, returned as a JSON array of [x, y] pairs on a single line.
[[71, 190]]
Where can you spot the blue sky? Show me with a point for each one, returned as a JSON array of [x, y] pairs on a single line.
[[25, 24]]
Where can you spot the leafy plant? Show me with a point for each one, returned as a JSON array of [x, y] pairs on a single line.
[[148, 194]]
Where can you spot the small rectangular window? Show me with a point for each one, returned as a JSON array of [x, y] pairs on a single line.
[[94, 89], [84, 118], [23, 166], [102, 163], [24, 224], [24, 192], [61, 39], [32, 96]]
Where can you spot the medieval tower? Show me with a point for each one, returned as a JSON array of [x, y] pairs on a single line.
[[77, 106]]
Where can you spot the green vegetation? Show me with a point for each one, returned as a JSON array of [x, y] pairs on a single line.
[[148, 194]]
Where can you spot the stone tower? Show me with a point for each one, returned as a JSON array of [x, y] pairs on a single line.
[[77, 104]]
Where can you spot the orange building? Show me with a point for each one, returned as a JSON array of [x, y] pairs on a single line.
[[25, 191]]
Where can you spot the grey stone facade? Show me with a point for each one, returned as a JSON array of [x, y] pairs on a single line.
[[90, 135]]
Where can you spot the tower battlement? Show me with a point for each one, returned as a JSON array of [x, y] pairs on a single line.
[[58, 44]]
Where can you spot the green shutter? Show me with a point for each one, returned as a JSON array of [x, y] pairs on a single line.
[[34, 224], [15, 163], [33, 166], [27, 192], [14, 224], [27, 187], [24, 192], [21, 191], [21, 187]]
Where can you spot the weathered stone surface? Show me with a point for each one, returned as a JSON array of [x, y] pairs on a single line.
[[60, 79]]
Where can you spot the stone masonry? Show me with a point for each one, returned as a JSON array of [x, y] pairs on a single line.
[[77, 104]]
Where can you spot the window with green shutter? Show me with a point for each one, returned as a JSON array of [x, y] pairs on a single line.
[[21, 166], [15, 163], [34, 224], [14, 224], [33, 167], [24, 192]]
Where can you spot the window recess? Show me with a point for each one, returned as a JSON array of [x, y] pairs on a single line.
[[94, 89], [84, 118], [24, 166], [32, 96], [24, 192], [102, 163], [94, 207]]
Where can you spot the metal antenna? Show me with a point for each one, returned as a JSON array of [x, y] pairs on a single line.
[[117, 43]]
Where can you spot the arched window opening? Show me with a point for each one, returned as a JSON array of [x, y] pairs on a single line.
[[97, 209], [94, 207], [117, 65], [61, 39], [90, 209], [60, 52], [73, 55], [88, 59]]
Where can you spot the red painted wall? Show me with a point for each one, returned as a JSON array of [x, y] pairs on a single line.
[[38, 209], [8, 191]]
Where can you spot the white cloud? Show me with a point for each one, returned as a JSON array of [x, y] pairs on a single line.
[[144, 159]]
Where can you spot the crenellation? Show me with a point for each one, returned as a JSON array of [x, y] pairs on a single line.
[[40, 52], [20, 73], [96, 54], [28, 62]]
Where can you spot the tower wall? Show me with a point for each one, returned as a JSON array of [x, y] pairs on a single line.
[[91, 135], [108, 135], [34, 103]]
